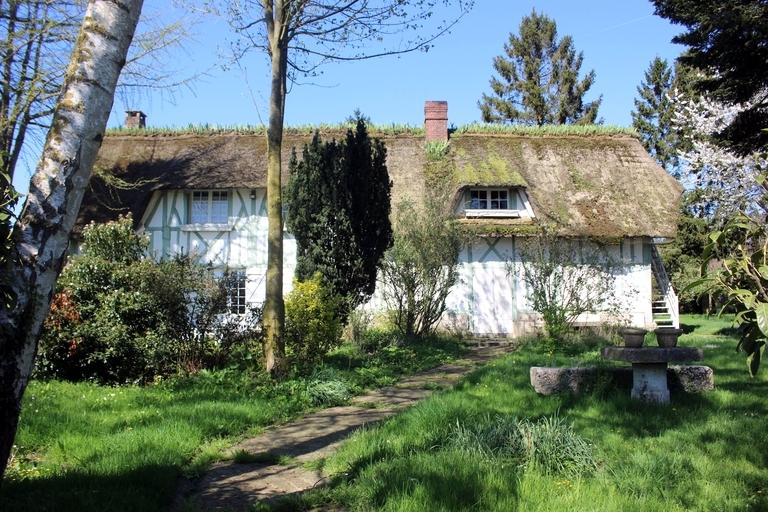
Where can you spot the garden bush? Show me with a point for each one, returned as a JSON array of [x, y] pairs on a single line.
[[120, 317], [312, 322]]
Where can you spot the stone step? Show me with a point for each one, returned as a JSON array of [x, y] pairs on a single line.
[[500, 342]]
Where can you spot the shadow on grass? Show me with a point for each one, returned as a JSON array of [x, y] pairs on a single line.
[[689, 328], [729, 331], [146, 489], [441, 479]]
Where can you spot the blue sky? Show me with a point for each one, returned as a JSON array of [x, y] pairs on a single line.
[[618, 38]]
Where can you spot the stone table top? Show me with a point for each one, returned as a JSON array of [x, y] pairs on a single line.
[[653, 354]]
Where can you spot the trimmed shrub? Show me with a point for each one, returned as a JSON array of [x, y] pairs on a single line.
[[312, 323]]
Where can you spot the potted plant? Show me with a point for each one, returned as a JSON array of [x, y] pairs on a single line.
[[667, 336], [633, 336]]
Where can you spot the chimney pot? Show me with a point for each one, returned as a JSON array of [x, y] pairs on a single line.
[[135, 119], [436, 121]]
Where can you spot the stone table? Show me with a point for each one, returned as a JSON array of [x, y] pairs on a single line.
[[649, 368]]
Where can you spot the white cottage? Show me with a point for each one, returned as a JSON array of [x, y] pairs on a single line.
[[203, 194]]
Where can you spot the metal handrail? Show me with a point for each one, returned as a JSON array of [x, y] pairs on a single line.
[[665, 285]]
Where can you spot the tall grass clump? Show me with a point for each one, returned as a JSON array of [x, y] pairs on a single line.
[[549, 444], [327, 387]]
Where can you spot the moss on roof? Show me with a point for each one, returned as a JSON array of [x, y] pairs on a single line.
[[597, 184], [499, 228]]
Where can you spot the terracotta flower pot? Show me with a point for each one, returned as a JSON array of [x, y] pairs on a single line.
[[667, 336], [633, 336]]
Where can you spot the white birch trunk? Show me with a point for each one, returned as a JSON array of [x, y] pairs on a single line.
[[42, 234]]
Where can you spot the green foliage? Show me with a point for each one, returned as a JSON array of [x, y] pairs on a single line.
[[547, 130], [338, 199], [8, 199], [210, 129], [652, 116], [312, 323], [436, 150], [726, 40], [116, 242], [548, 444], [88, 447], [682, 257], [651, 458], [566, 278], [421, 267], [328, 388], [538, 80], [120, 317], [743, 278]]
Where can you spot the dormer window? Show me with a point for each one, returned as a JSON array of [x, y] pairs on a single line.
[[209, 207], [491, 202]]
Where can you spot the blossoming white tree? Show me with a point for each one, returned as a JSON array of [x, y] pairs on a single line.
[[727, 181]]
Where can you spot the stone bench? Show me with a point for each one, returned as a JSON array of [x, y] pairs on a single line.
[[549, 380]]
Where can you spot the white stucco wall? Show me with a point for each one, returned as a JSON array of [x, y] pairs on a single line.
[[241, 243], [490, 297]]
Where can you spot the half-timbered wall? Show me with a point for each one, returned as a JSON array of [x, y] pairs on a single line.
[[490, 297], [240, 243]]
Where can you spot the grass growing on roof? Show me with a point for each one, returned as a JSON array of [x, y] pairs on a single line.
[[375, 130], [704, 452], [87, 447], [556, 130]]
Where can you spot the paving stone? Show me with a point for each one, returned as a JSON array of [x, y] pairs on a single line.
[[237, 487]]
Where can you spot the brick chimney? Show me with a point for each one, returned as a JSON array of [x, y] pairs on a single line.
[[436, 121], [135, 119]]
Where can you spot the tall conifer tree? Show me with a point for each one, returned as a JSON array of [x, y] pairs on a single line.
[[652, 116], [338, 209], [538, 80]]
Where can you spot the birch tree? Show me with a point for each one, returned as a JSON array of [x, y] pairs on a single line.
[[41, 235], [299, 36]]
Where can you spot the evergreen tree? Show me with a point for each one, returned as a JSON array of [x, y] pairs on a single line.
[[652, 116], [338, 209], [538, 80]]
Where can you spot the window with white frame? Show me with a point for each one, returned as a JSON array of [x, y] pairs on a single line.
[[209, 207], [235, 284], [488, 199]]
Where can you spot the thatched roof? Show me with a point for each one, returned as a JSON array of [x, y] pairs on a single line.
[[597, 185]]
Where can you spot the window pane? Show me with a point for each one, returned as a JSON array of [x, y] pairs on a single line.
[[199, 207], [479, 199], [503, 201], [236, 292], [474, 202], [219, 207]]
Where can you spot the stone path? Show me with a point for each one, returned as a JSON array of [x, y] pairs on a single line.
[[237, 486]]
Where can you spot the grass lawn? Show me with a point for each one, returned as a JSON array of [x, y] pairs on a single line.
[[704, 452], [86, 447]]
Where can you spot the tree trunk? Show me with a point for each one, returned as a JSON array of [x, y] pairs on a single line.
[[41, 236], [274, 307]]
